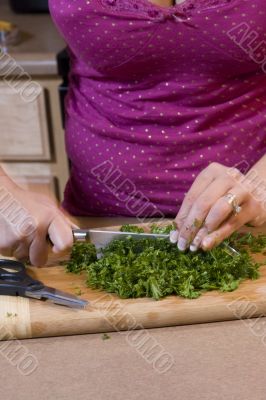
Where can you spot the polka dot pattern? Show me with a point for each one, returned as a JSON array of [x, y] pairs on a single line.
[[158, 94]]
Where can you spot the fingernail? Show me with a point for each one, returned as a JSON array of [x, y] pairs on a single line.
[[207, 242], [193, 247], [182, 244], [195, 244], [174, 236]]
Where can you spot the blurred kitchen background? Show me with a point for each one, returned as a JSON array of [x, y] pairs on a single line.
[[32, 146]]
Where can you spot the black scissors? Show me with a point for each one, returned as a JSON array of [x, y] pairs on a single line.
[[14, 281]]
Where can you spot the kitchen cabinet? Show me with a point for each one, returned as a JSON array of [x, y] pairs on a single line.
[[32, 149], [24, 134]]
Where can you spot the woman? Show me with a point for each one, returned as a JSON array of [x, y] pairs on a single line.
[[166, 112]]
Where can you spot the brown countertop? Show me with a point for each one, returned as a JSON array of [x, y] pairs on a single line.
[[40, 41], [213, 361]]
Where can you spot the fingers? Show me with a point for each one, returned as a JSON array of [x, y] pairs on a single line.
[[196, 243], [218, 213], [21, 252], [205, 217], [49, 220], [39, 248], [226, 230], [173, 236], [201, 208], [203, 180], [222, 208], [60, 234]]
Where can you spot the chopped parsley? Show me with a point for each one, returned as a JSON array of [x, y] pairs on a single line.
[[132, 229], [78, 292], [164, 229], [147, 267], [105, 336], [82, 255], [9, 314]]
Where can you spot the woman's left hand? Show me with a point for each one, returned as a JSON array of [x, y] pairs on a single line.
[[219, 202]]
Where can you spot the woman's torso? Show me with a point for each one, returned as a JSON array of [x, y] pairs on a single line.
[[157, 93]]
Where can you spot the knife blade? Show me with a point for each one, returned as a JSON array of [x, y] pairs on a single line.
[[101, 238]]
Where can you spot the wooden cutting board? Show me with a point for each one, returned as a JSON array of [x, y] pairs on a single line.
[[23, 318]]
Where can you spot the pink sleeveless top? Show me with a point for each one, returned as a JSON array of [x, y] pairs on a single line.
[[156, 95]]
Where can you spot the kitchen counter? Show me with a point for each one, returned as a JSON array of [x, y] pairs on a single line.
[[218, 361], [40, 41], [213, 361]]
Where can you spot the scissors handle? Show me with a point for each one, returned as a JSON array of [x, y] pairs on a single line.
[[14, 280]]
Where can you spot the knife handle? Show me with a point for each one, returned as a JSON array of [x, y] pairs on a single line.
[[80, 235]]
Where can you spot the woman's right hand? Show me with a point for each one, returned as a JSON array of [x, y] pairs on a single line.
[[27, 219]]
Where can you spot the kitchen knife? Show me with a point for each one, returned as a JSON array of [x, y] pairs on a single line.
[[101, 238]]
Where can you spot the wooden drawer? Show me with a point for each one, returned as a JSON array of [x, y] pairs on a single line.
[[24, 127]]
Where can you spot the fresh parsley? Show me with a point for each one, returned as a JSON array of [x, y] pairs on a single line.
[[105, 336], [146, 267]]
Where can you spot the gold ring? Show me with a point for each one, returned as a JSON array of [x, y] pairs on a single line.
[[232, 200]]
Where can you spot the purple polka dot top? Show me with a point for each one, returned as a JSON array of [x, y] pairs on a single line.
[[156, 94]]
